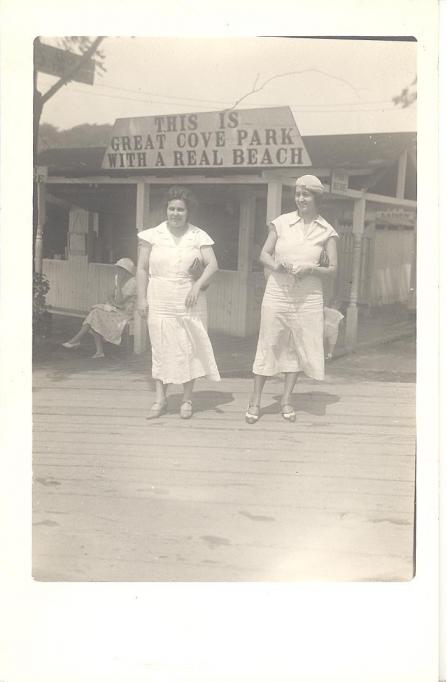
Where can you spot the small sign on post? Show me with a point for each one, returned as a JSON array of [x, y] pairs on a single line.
[[40, 174], [57, 62], [339, 181]]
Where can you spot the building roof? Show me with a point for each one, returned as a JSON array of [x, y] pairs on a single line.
[[356, 152]]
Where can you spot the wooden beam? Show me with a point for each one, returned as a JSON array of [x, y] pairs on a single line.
[[245, 257], [142, 212], [41, 218], [274, 198], [158, 180], [394, 201], [358, 226], [401, 175], [143, 206]]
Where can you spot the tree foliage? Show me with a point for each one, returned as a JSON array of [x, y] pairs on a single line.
[[407, 96], [84, 135]]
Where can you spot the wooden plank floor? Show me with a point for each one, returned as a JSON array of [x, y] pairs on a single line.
[[116, 497]]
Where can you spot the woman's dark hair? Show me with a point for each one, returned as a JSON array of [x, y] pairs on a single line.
[[182, 194]]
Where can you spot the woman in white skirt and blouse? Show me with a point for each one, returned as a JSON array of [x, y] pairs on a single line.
[[175, 301], [291, 331]]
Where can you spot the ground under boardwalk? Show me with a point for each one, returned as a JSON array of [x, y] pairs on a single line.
[[116, 497]]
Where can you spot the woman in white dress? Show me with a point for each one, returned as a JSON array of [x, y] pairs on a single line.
[[291, 331], [179, 259], [106, 321]]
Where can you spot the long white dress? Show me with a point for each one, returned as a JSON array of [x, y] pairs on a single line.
[[291, 330], [181, 348]]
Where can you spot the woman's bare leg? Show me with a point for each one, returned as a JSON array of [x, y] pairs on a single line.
[[81, 333], [188, 390], [161, 391], [289, 384], [98, 343], [258, 386]]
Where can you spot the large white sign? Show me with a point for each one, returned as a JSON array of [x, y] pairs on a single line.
[[249, 138]]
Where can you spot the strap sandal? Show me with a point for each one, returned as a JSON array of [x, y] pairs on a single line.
[[157, 410], [186, 409], [252, 414], [288, 413]]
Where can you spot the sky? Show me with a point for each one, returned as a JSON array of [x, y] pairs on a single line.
[[332, 86]]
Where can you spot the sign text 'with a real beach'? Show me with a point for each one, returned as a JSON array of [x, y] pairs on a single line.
[[221, 139]]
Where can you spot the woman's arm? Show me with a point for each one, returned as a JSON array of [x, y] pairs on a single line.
[[266, 255], [119, 299], [211, 267], [144, 252]]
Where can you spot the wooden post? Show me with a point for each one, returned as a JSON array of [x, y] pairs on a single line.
[[141, 339], [412, 297], [358, 225], [245, 258], [401, 175], [41, 218], [274, 198], [143, 206]]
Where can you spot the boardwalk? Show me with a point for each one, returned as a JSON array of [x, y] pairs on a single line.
[[330, 497]]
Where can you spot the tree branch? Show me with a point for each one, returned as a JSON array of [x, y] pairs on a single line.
[[283, 75], [68, 76]]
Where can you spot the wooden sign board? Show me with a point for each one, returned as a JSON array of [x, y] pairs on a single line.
[[57, 62], [249, 138], [339, 181], [396, 216]]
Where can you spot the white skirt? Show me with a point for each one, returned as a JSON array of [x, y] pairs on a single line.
[[181, 348], [291, 331]]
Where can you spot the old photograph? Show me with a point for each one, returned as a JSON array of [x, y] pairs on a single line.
[[224, 309]]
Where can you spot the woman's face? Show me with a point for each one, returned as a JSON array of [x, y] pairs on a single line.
[[177, 213], [305, 202]]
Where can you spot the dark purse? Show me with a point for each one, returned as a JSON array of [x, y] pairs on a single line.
[[324, 259], [196, 270]]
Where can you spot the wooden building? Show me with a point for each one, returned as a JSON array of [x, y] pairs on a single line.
[[242, 168]]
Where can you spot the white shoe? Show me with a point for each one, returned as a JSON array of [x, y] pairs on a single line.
[[70, 345], [98, 355]]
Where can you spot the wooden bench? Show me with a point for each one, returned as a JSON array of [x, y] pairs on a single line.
[[128, 339]]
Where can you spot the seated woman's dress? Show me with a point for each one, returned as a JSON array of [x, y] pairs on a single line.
[[108, 319]]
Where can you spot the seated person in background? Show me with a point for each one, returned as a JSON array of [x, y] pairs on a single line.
[[106, 321], [332, 319]]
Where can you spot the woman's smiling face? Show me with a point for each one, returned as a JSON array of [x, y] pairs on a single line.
[[305, 202], [177, 213]]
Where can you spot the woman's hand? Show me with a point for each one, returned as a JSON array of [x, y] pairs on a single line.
[[142, 307], [304, 269], [193, 295]]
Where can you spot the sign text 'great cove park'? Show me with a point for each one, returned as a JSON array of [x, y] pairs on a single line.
[[220, 139]]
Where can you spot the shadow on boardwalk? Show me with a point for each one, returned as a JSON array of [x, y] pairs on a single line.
[[330, 497]]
